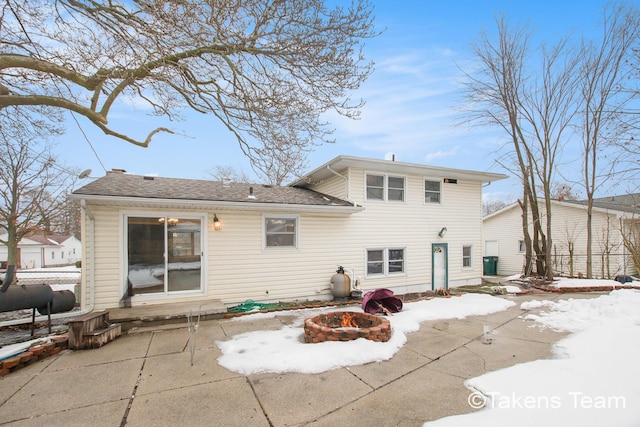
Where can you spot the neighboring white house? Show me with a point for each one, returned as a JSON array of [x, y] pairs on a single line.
[[612, 216], [406, 227], [40, 249]]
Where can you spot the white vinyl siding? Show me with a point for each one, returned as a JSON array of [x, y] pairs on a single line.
[[568, 226], [238, 266]]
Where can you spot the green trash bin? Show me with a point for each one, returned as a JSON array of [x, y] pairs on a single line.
[[490, 266]]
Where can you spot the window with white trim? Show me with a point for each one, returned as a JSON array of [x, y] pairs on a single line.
[[385, 261], [432, 190], [522, 247], [395, 188], [281, 231], [375, 187], [467, 252], [375, 261], [383, 187]]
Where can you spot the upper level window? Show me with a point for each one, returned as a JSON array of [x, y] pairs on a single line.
[[431, 191], [381, 186], [375, 187], [466, 256], [395, 190], [281, 232]]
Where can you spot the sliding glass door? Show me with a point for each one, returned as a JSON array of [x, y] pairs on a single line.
[[164, 254]]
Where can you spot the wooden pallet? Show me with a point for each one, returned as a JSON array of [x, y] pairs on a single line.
[[92, 330]]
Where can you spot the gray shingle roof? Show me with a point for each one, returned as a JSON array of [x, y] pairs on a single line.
[[623, 203], [118, 184]]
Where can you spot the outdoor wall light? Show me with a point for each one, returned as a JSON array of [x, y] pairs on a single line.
[[442, 232], [217, 225]]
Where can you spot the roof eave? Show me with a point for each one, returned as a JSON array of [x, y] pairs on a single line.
[[329, 210], [343, 162]]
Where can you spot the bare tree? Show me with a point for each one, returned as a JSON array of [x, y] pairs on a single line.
[[222, 173], [630, 232], [267, 69], [561, 192], [32, 189], [605, 74], [491, 206], [67, 222], [533, 110]]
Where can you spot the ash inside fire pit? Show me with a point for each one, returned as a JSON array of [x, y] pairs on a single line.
[[346, 326]]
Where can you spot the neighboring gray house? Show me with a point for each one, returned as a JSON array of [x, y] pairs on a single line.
[[612, 216], [402, 226]]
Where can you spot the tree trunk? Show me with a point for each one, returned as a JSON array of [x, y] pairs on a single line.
[[528, 258]]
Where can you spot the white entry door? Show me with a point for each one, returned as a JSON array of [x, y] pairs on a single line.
[[439, 266]]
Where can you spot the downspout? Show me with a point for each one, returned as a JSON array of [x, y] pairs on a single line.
[[91, 282], [92, 258], [346, 185]]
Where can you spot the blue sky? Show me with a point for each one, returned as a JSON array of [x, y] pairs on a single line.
[[411, 99]]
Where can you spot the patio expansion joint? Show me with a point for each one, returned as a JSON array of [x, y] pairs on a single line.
[[135, 387], [262, 408]]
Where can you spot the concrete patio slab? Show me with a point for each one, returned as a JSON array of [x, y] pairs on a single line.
[[377, 374], [60, 390], [145, 377], [109, 414], [293, 399], [225, 403], [124, 348], [433, 343], [420, 396], [173, 371]]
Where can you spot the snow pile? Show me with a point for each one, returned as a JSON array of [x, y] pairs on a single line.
[[565, 282], [284, 350], [593, 381]]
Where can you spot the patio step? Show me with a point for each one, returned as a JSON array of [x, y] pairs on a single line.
[[92, 330], [159, 314]]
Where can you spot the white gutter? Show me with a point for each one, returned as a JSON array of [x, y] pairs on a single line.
[[41, 318], [346, 185], [328, 210]]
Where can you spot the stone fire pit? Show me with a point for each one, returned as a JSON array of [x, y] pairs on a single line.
[[346, 326]]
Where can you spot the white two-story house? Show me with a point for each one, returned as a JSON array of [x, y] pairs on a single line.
[[402, 226]]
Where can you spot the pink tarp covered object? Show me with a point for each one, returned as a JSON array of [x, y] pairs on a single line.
[[373, 300]]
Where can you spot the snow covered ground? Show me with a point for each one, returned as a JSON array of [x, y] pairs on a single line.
[[593, 381], [284, 350]]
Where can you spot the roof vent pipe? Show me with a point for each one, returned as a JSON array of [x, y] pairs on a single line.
[[251, 195]]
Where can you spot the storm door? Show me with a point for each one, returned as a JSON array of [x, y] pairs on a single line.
[[439, 266], [164, 255]]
